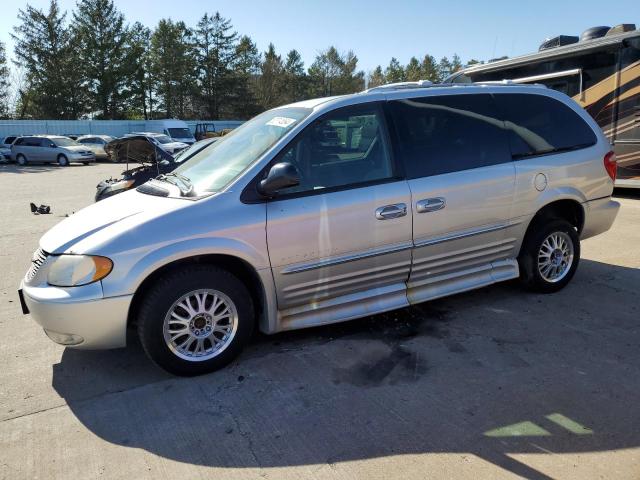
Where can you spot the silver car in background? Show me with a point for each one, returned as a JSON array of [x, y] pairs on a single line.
[[50, 149], [329, 210], [96, 144]]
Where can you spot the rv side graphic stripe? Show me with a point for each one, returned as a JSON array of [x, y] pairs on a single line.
[[598, 96]]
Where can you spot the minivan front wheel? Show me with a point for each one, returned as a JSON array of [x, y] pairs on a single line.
[[195, 320], [22, 160], [550, 256], [63, 161]]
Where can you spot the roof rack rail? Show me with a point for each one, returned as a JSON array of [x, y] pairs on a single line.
[[427, 84], [509, 82], [400, 85]]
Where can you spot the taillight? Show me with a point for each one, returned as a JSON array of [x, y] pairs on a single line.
[[610, 165]]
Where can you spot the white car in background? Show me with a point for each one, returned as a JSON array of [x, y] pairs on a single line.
[[163, 141]]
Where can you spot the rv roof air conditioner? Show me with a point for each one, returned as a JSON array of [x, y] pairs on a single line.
[[593, 33], [622, 28], [558, 41]]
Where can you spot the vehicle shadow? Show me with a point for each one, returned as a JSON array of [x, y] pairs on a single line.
[[493, 373]]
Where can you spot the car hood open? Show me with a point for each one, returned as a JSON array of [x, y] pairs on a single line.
[[137, 149]]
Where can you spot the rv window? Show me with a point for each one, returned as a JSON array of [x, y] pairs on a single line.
[[539, 124], [448, 134]]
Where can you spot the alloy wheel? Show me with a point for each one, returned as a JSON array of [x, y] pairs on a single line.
[[555, 257], [200, 325]]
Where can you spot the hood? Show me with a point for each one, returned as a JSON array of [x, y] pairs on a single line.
[[185, 140], [77, 148], [174, 146], [137, 149], [98, 223]]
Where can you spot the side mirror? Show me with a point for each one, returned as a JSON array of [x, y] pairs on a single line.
[[282, 175]]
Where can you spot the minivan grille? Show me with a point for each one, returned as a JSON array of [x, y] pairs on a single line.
[[39, 257]]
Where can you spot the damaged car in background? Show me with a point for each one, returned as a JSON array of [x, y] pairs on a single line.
[[149, 159]]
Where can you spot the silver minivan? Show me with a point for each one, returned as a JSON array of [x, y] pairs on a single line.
[[329, 210], [50, 149]]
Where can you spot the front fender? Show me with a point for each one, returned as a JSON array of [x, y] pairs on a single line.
[[125, 281]]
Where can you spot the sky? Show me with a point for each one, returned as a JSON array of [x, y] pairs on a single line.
[[377, 30]]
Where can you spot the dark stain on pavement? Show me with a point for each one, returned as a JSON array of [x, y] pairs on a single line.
[[399, 365]]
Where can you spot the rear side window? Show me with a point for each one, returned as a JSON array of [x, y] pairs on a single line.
[[444, 134], [538, 125], [32, 142]]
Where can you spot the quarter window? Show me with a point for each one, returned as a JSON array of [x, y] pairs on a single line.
[[443, 134], [345, 147], [538, 124]]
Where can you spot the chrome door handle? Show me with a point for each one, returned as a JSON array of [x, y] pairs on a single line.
[[391, 211], [430, 204]]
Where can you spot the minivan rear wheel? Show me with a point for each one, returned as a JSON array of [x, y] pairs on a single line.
[[63, 161], [550, 256], [195, 320]]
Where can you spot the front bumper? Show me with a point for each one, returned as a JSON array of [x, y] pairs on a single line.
[[83, 158], [80, 313], [598, 216]]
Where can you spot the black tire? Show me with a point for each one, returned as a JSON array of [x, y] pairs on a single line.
[[530, 274], [21, 159], [63, 161], [85, 163], [167, 290]]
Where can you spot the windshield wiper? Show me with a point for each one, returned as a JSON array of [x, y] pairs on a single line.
[[183, 183]]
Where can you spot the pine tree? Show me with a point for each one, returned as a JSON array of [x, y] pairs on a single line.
[[394, 72], [295, 79], [215, 44], [444, 69], [429, 69], [45, 49], [246, 69], [101, 36], [270, 84], [350, 79], [173, 68], [139, 89], [4, 83], [456, 64], [376, 78], [413, 72]]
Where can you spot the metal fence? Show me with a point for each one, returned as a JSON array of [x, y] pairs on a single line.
[[115, 128]]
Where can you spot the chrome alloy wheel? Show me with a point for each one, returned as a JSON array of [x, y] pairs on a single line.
[[555, 257], [200, 325]]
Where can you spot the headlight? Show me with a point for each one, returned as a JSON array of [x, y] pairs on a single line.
[[122, 184], [76, 270]]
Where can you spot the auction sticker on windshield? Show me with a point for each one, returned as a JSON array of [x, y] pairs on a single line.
[[283, 122]]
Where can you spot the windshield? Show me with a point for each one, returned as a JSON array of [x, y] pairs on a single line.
[[64, 142], [216, 166], [162, 139], [183, 155], [180, 132]]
